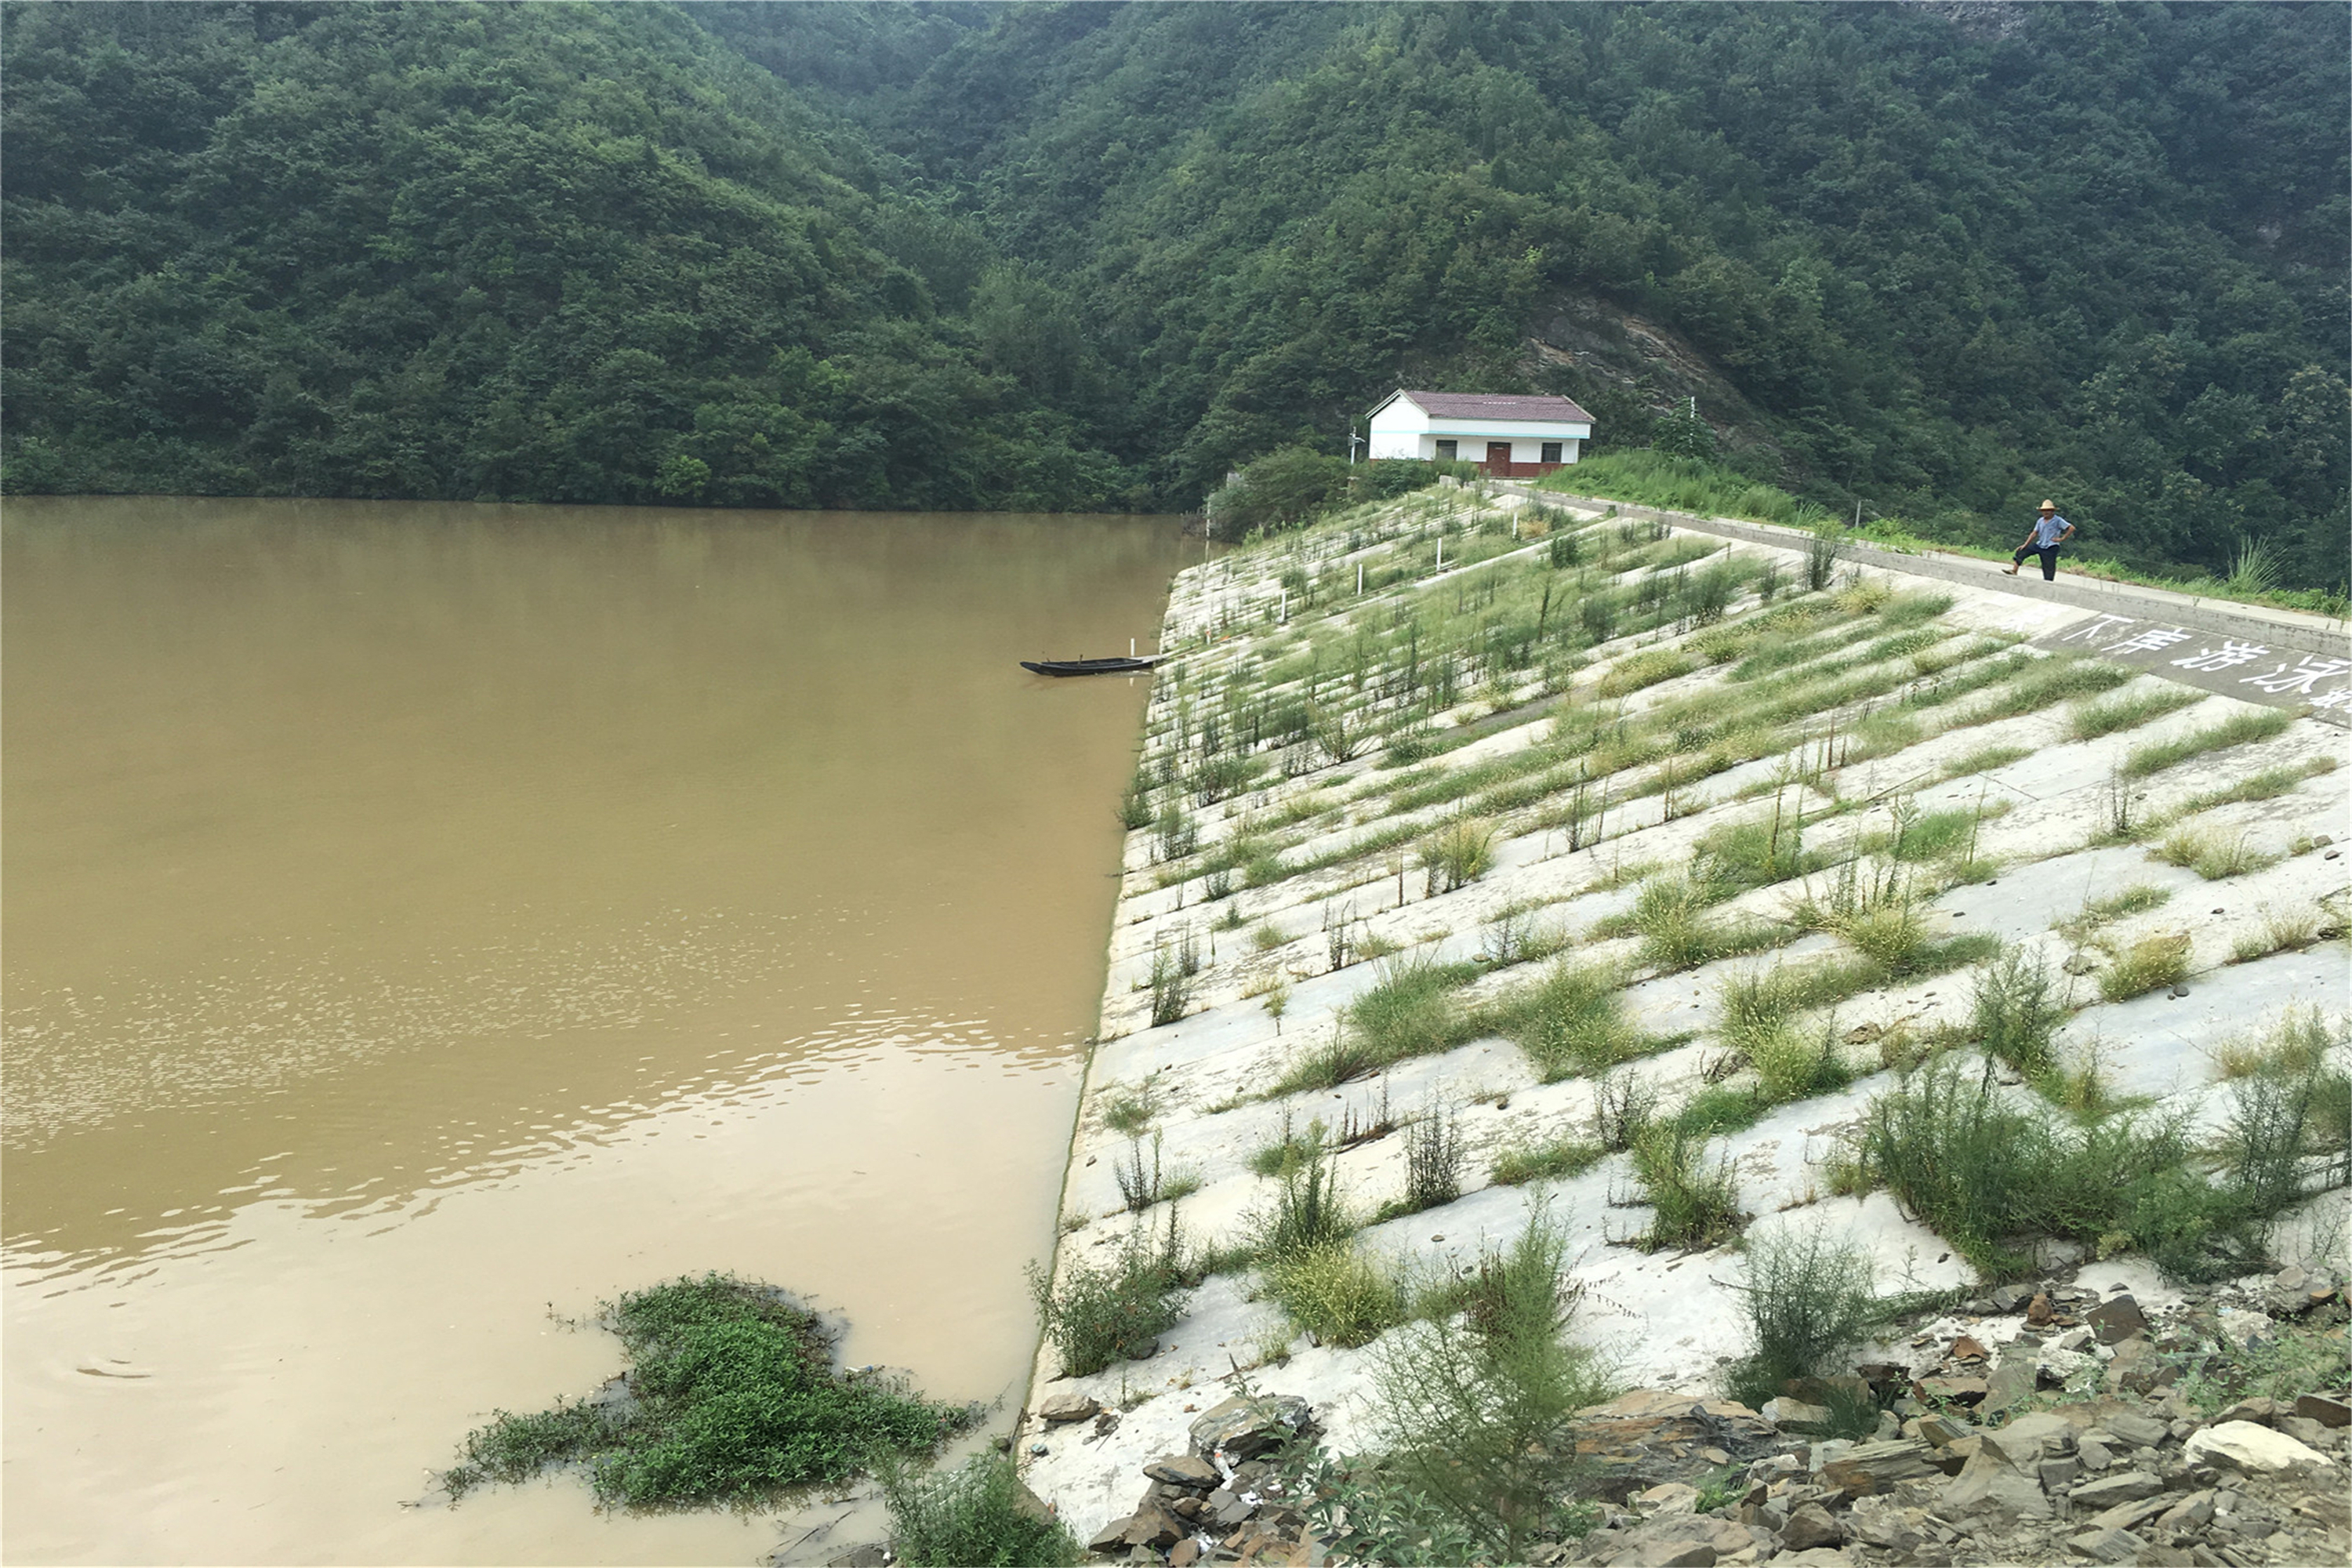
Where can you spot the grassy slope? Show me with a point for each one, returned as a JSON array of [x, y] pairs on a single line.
[[1635, 670]]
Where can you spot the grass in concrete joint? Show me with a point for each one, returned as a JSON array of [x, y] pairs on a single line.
[[1128, 1108], [1694, 1203], [2280, 932], [1287, 1149], [1718, 1109], [2264, 785], [1985, 759], [2089, 721], [1756, 1016], [1411, 1010], [1553, 1160], [2042, 684], [1512, 937], [2211, 855], [2297, 1043], [2238, 729], [1336, 1293], [1458, 854], [1677, 933], [1572, 1021], [1757, 852], [2138, 898], [2147, 965]]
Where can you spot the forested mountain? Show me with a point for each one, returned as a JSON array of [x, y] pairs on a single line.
[[1941, 259], [546, 253]]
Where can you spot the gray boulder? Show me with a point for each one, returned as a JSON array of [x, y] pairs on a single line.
[[2106, 1545], [1871, 1467], [1244, 1428], [2125, 1486], [2002, 1476]]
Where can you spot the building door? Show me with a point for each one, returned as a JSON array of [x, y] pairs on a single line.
[[1499, 454]]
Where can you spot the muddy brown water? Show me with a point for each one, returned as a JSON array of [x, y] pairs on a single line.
[[422, 922]]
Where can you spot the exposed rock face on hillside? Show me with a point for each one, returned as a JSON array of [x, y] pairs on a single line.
[[1593, 879], [1600, 344]]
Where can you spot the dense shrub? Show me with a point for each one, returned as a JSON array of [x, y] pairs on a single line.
[[1117, 1312], [1992, 1170], [1473, 1405], [1281, 490], [1807, 1296], [734, 1397], [973, 1517]]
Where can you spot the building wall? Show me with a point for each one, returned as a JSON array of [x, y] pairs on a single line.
[[1469, 448], [1402, 430]]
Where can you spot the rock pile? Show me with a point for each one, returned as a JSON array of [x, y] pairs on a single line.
[[2110, 1479], [1961, 1470], [2119, 1466], [1223, 1501]]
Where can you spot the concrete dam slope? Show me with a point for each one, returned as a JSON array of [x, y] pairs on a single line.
[[1481, 831]]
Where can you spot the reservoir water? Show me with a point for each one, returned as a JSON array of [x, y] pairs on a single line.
[[422, 922]]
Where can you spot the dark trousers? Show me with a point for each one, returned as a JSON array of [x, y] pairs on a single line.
[[2049, 560]]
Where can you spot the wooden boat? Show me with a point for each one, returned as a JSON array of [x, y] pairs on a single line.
[[1091, 665]]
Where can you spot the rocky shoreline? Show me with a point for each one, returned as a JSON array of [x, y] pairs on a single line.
[[2046, 1424]]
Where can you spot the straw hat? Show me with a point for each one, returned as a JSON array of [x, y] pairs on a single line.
[[2049, 506]]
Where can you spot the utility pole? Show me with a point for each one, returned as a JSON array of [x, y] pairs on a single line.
[[1354, 441]]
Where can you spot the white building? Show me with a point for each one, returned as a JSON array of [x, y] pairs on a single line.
[[1510, 438]]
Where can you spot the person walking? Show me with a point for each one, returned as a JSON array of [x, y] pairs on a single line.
[[2050, 532]]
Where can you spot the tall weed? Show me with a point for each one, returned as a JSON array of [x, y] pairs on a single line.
[[1473, 1406], [2015, 1012], [1807, 1298]]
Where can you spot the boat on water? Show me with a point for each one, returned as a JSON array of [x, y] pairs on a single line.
[[1091, 665]]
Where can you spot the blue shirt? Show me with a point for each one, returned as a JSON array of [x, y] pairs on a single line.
[[2046, 531]]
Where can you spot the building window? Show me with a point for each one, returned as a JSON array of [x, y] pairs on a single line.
[[1551, 451], [1445, 450]]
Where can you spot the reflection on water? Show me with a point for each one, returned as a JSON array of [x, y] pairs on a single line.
[[419, 917]]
